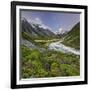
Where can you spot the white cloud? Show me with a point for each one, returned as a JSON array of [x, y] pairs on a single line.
[[45, 26], [38, 20], [35, 20], [60, 31]]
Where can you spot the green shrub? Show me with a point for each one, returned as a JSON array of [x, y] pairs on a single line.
[[55, 70], [69, 70], [35, 64]]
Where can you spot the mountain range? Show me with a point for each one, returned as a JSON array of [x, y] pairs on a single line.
[[36, 30]]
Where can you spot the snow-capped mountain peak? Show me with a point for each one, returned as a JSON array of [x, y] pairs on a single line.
[[60, 31]]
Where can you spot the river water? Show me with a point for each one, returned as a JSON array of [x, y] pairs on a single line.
[[58, 46]]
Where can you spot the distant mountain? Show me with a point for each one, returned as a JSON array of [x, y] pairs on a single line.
[[61, 33], [36, 30], [72, 38]]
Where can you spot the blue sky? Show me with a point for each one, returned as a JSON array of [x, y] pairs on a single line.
[[54, 20]]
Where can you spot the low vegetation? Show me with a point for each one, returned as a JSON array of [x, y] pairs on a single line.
[[48, 63]]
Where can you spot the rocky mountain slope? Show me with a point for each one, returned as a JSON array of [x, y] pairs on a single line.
[[36, 30]]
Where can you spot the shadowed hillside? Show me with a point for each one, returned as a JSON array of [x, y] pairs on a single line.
[[72, 38]]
